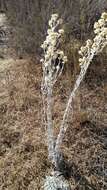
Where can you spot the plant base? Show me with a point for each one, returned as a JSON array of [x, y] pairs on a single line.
[[56, 183]]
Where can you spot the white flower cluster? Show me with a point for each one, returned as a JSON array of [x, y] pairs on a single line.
[[54, 58], [99, 42]]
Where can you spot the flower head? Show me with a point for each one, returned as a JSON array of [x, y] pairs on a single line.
[[61, 31], [54, 16], [89, 42], [96, 25], [49, 31], [101, 22], [65, 59], [104, 16]]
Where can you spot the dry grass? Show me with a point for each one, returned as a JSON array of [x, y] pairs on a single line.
[[23, 150]]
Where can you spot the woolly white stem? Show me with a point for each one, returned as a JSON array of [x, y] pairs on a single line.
[[50, 130], [64, 125]]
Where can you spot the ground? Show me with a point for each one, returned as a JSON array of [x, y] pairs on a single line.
[[23, 149]]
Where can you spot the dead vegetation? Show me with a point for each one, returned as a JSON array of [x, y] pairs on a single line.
[[23, 150]]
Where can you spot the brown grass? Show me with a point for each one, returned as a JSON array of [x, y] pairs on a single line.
[[23, 151]]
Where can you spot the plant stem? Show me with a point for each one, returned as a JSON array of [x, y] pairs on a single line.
[[50, 131], [64, 125]]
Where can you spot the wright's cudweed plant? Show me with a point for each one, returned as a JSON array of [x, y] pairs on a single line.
[[53, 63]]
